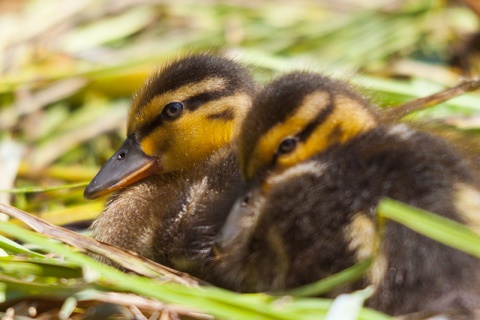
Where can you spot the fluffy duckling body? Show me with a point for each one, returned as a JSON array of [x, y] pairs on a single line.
[[319, 159], [194, 217], [180, 133]]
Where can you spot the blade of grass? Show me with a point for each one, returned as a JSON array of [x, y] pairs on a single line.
[[123, 258], [39, 267], [434, 99], [441, 229], [15, 248], [45, 189], [325, 285], [71, 173], [14, 289]]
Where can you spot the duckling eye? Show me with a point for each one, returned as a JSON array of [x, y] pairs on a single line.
[[287, 146], [245, 200], [172, 110]]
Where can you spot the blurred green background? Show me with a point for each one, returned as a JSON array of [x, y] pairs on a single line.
[[68, 70]]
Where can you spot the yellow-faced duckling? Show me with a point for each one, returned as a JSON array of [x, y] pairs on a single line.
[[177, 157], [318, 158]]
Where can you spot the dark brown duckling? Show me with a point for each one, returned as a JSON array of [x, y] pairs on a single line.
[[318, 159]]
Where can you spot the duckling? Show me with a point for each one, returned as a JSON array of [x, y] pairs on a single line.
[[318, 157], [177, 156]]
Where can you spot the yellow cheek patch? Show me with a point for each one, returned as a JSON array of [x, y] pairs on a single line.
[[181, 143], [266, 148], [348, 119], [139, 115], [159, 140], [196, 140], [148, 146]]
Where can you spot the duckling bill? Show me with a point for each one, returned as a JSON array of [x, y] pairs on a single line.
[[318, 158], [128, 165]]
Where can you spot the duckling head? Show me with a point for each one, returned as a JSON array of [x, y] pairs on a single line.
[[297, 116], [182, 114], [292, 119]]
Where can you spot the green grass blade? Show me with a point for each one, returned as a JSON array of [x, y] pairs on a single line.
[[39, 267], [441, 229], [45, 189], [14, 289], [325, 285], [15, 248]]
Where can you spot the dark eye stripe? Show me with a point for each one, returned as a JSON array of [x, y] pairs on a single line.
[[148, 127], [192, 104], [227, 114], [322, 116]]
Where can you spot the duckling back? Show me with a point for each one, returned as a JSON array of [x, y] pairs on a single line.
[[303, 220]]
